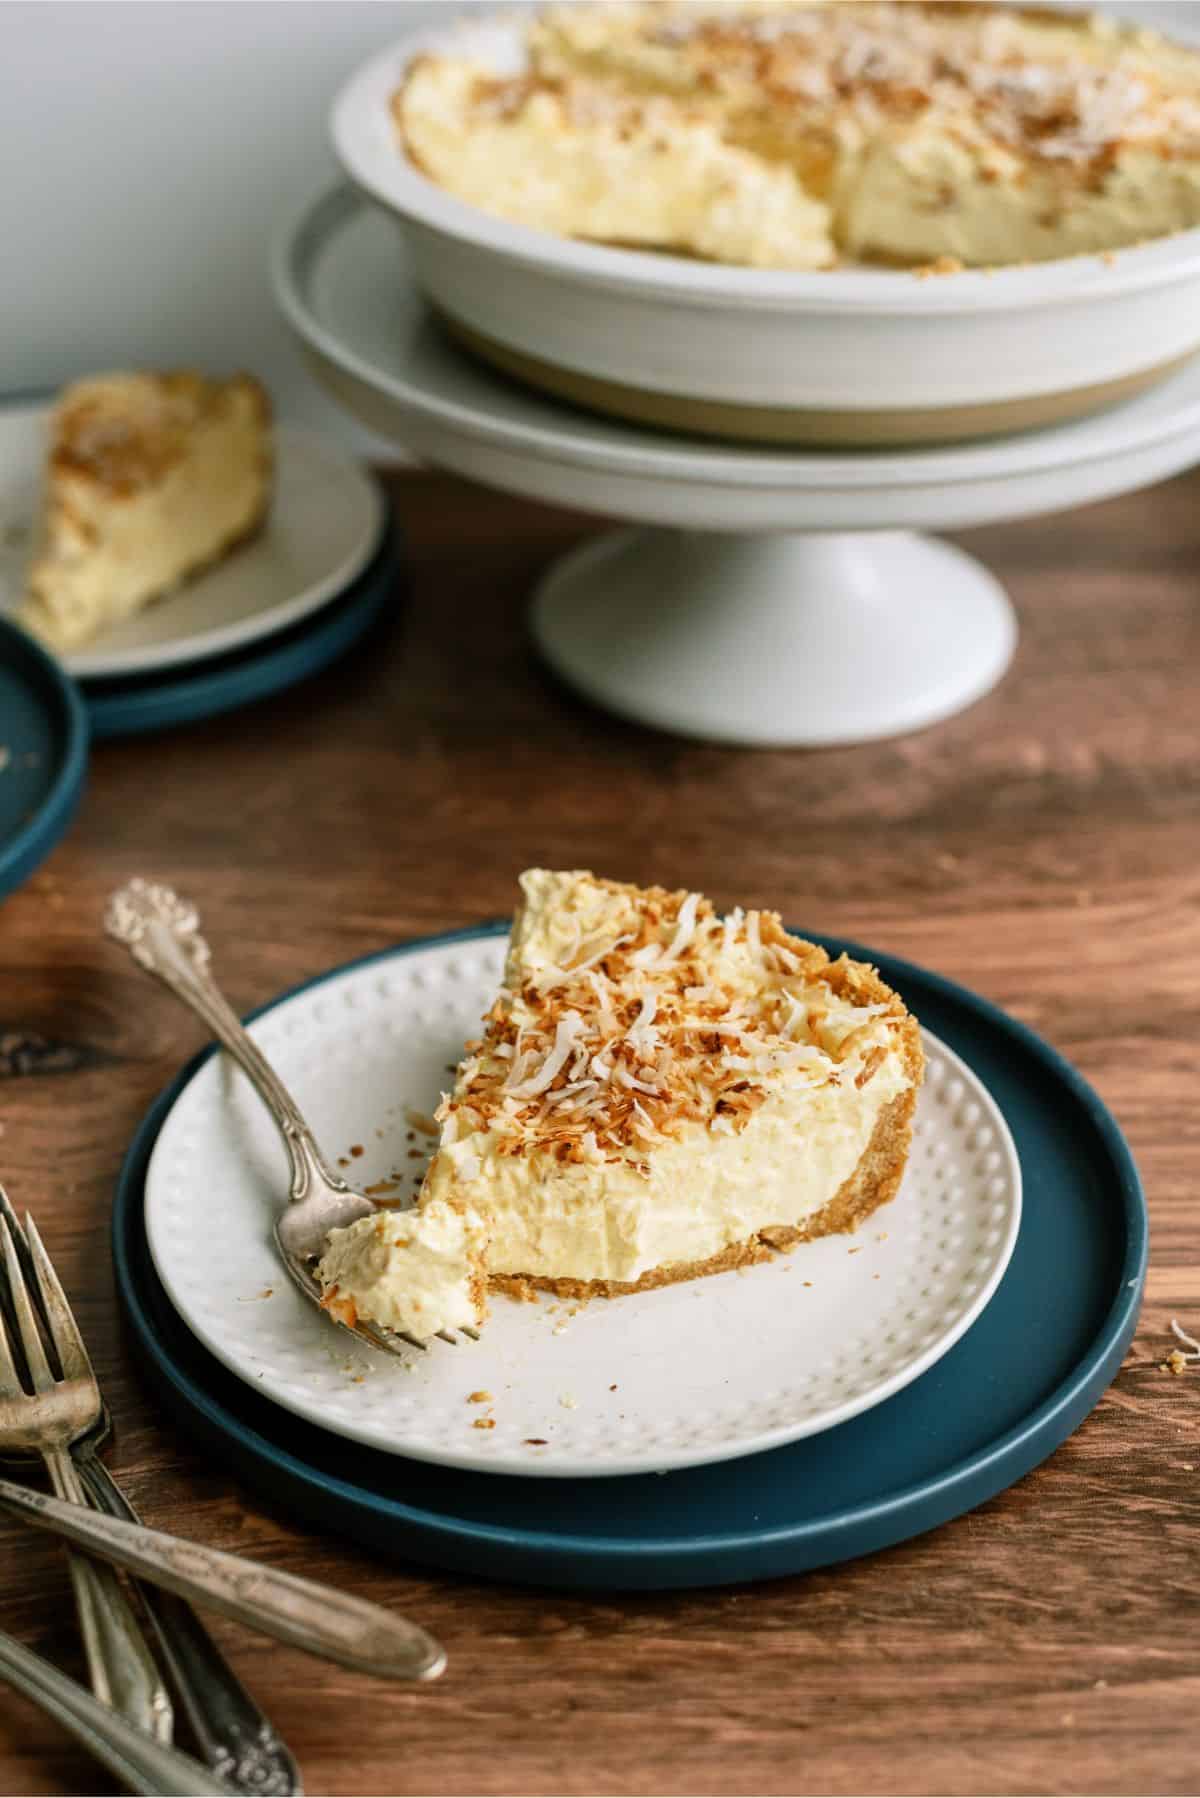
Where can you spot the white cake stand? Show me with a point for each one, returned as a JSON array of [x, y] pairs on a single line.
[[771, 597]]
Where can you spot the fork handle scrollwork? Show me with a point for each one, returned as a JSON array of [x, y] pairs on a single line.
[[162, 933]]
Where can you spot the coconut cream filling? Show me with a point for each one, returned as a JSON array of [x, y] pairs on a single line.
[[416, 1271], [698, 1195], [787, 136]]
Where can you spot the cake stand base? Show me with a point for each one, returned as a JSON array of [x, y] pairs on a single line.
[[782, 641]]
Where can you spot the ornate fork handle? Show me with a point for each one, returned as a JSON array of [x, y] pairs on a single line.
[[322, 1620], [238, 1740], [137, 1760], [162, 933]]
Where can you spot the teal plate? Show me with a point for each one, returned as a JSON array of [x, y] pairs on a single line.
[[43, 754], [1011, 1390]]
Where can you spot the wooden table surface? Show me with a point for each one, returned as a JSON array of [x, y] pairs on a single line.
[[1044, 848]]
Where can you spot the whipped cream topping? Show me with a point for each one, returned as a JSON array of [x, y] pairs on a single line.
[[626, 1017]]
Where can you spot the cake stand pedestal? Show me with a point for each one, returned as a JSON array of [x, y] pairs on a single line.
[[781, 597], [793, 639]]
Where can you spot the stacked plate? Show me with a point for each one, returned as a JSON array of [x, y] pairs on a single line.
[[277, 610], [819, 1406], [283, 607]]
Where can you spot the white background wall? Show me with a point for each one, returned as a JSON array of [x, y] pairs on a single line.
[[146, 153]]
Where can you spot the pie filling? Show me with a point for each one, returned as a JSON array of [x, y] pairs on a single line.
[[777, 135]]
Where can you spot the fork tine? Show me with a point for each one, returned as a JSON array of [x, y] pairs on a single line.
[[7, 1212], [10, 1218], [10, 1379], [64, 1331], [31, 1339]]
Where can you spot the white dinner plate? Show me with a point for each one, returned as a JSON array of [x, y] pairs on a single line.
[[325, 524], [694, 1373]]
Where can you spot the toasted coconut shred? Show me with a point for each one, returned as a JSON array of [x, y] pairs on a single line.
[[687, 1019]]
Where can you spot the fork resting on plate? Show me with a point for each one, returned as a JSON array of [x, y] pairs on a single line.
[[162, 933]]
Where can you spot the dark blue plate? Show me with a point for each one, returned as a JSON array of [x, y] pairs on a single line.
[[128, 705], [43, 754], [1023, 1377]]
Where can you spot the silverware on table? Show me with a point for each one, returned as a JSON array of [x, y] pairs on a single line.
[[48, 1420], [162, 933], [236, 1738], [138, 1760], [301, 1612], [320, 1619]]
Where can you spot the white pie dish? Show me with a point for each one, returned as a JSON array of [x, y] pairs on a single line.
[[853, 356]]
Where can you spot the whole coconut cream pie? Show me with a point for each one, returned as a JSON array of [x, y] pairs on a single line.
[[659, 1093], [792, 136]]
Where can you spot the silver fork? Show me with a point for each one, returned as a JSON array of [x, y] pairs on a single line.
[[162, 933], [235, 1737], [120, 1666], [137, 1760], [322, 1620]]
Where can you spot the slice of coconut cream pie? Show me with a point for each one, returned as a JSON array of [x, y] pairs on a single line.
[[659, 1093], [150, 478]]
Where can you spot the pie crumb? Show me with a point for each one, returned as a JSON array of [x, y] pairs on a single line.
[[479, 1398]]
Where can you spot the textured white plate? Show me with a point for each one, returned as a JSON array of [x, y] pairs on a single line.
[[694, 1373], [325, 524]]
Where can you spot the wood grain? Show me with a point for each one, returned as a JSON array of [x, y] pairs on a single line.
[[1044, 848]]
